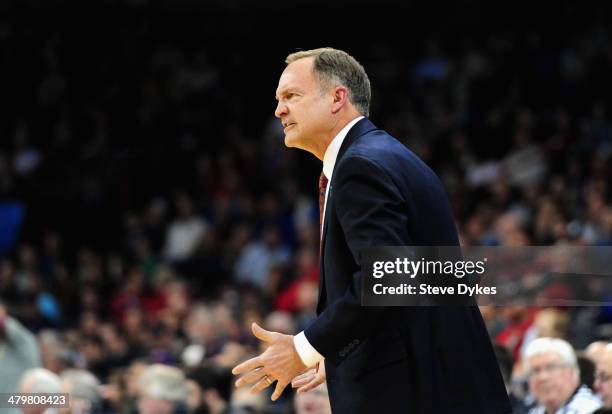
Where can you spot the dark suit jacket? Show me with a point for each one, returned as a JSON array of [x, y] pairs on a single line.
[[396, 359]]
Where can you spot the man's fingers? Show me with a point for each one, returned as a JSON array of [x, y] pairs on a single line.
[[316, 381], [262, 384], [250, 377], [262, 334], [300, 382], [304, 376], [248, 365], [278, 391]]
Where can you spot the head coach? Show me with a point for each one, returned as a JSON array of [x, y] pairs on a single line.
[[373, 192]]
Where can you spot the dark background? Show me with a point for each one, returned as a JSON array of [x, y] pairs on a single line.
[[94, 59]]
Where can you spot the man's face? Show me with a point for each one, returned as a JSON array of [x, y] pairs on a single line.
[[305, 113], [551, 381], [603, 378]]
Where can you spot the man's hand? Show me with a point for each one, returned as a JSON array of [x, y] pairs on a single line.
[[311, 379], [280, 362]]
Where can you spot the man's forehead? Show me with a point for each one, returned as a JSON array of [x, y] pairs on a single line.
[[285, 80], [296, 72]]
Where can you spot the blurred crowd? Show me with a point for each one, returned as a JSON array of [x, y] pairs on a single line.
[[161, 213]]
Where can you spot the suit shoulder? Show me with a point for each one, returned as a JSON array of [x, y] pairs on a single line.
[[386, 152], [376, 143]]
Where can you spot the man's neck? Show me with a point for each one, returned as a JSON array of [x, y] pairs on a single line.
[[340, 123]]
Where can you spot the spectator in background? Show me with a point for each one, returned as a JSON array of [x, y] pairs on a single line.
[[131, 389], [18, 351], [315, 401], [306, 274], [214, 384], [40, 380], [185, 232], [525, 165], [554, 379], [279, 321], [518, 320], [244, 401], [259, 257], [552, 323], [548, 323], [603, 377], [200, 328], [595, 351], [83, 388], [162, 390]]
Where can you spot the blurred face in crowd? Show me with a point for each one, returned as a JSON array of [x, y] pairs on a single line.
[[26, 387], [148, 405], [551, 381], [133, 373], [305, 112], [313, 402], [603, 377]]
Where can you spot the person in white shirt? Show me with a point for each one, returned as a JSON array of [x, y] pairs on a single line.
[[554, 379], [185, 232]]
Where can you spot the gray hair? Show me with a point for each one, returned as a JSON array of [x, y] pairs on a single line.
[[333, 66], [163, 382], [40, 380], [558, 346], [83, 384]]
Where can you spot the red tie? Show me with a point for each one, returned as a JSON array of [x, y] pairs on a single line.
[[322, 187]]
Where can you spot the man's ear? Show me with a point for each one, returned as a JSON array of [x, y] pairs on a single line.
[[340, 95]]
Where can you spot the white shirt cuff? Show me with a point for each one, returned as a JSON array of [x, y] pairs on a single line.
[[309, 355]]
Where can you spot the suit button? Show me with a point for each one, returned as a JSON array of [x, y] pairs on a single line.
[[342, 354], [356, 342]]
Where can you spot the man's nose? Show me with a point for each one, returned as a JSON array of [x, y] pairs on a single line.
[[281, 110]]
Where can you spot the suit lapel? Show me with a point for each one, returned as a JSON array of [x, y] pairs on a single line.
[[362, 127]]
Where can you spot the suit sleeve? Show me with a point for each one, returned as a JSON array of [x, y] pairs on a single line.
[[371, 212]]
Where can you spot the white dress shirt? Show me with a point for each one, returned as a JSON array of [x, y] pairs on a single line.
[[310, 356], [584, 401]]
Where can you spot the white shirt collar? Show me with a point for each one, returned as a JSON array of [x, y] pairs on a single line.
[[331, 153]]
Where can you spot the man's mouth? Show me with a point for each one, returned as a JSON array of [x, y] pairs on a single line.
[[289, 125]]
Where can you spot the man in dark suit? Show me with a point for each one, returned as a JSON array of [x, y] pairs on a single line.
[[373, 192]]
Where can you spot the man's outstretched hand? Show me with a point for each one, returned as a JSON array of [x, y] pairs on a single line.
[[280, 363]]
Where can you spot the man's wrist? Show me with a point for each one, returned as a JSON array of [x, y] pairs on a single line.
[[306, 351]]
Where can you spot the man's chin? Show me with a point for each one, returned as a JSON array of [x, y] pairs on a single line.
[[290, 142], [549, 399]]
